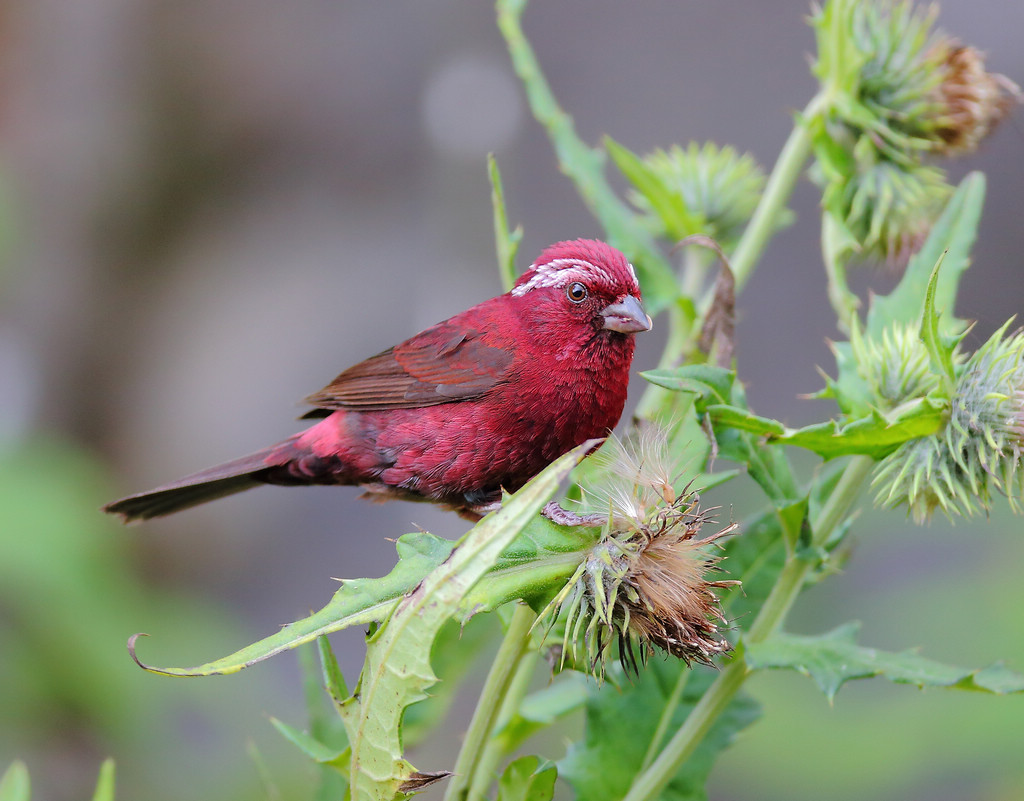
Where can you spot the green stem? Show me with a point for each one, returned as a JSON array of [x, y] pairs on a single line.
[[502, 672], [495, 749], [834, 252], [666, 717], [787, 170], [650, 782]]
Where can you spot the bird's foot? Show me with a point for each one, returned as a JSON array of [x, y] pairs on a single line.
[[563, 517], [552, 511]]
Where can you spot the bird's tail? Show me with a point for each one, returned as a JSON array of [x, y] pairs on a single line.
[[192, 490]]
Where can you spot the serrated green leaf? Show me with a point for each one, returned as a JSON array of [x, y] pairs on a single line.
[[754, 558], [105, 782], [312, 747], [954, 232], [453, 656], [712, 384], [940, 348], [527, 779], [834, 658], [15, 784], [621, 726], [875, 435], [537, 563], [397, 670], [357, 603], [743, 420]]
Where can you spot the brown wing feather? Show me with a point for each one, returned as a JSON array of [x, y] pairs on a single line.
[[443, 364]]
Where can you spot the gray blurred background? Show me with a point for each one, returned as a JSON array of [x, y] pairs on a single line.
[[211, 208]]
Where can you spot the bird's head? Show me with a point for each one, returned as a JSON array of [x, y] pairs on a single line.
[[585, 282]]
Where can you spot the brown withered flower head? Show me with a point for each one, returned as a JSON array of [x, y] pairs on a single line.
[[650, 580], [971, 101]]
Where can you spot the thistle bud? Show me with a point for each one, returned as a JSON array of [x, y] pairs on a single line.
[[713, 189], [895, 367], [648, 582], [979, 451]]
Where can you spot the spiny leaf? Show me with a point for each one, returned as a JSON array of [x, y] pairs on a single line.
[[711, 384], [834, 658], [397, 671], [357, 603], [940, 348], [875, 434], [538, 562]]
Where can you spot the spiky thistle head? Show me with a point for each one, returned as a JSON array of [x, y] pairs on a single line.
[[896, 366], [886, 206], [649, 580], [714, 190], [894, 90], [978, 453]]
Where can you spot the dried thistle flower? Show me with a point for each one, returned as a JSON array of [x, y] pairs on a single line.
[[980, 450], [971, 101], [646, 583]]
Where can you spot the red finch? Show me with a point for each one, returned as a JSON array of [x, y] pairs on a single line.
[[476, 404]]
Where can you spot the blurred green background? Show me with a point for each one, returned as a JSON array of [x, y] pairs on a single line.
[[210, 207]]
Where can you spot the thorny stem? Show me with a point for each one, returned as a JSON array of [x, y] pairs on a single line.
[[650, 782], [496, 686]]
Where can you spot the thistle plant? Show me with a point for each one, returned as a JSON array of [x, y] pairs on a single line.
[[650, 611]]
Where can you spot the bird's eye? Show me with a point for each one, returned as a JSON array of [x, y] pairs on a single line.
[[576, 292]]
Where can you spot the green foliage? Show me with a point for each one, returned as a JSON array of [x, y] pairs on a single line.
[[908, 399], [834, 658], [625, 726], [525, 779]]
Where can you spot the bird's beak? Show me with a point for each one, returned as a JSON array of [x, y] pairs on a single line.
[[627, 316]]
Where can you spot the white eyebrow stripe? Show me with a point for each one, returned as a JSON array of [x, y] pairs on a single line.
[[562, 271]]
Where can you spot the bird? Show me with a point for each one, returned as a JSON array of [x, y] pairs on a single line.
[[465, 410]]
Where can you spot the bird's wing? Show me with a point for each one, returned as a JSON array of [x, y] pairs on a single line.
[[443, 364]]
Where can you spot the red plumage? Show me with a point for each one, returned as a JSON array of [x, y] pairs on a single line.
[[478, 403]]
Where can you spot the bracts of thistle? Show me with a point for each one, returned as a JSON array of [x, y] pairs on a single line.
[[650, 580], [899, 92], [979, 452]]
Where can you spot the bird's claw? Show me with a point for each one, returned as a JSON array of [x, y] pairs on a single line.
[[563, 517]]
